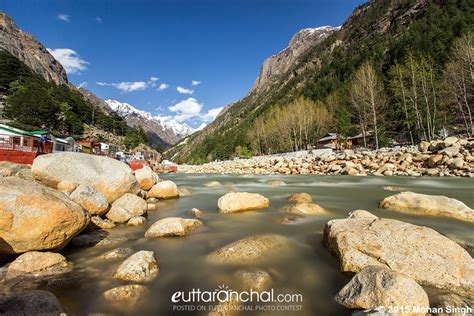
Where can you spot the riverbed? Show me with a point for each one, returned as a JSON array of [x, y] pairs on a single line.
[[308, 269]]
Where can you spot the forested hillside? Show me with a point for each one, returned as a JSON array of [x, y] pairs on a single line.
[[401, 70], [34, 103]]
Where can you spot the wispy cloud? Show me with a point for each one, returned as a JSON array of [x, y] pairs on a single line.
[[152, 81], [70, 59], [82, 84], [184, 90], [63, 17], [98, 19], [211, 114], [163, 86], [195, 83], [126, 86]]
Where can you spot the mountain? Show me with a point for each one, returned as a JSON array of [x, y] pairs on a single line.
[[95, 100], [27, 49], [319, 64], [161, 130], [279, 64]]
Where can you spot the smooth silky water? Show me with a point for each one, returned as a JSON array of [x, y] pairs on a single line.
[[309, 269]]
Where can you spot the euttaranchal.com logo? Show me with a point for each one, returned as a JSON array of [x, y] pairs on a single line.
[[224, 298]]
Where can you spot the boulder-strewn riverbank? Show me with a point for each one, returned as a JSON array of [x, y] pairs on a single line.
[[449, 157], [114, 239]]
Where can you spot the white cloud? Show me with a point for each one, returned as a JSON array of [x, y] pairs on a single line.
[[195, 83], [184, 90], [126, 86], [200, 127], [152, 81], [64, 17], [163, 86], [192, 109], [186, 109], [98, 19], [82, 84], [211, 114], [69, 58]]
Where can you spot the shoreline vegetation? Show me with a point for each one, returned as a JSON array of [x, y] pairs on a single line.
[[451, 157]]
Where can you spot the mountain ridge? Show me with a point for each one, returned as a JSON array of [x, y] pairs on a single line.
[[162, 130], [29, 50]]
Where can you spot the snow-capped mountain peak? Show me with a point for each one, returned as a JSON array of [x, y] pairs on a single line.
[[166, 127]]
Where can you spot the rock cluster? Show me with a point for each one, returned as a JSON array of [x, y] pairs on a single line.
[[449, 157], [419, 252]]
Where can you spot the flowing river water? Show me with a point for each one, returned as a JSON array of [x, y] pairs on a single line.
[[308, 269]]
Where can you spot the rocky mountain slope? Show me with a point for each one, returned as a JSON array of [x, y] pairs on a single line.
[[319, 62], [27, 49], [161, 130], [278, 65]]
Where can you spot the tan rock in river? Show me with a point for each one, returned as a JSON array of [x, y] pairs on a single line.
[[127, 297], [301, 197], [304, 208], [172, 226], [146, 178], [241, 201], [38, 262], [164, 190], [376, 286], [133, 204], [420, 252], [433, 205], [35, 217], [139, 267], [90, 200], [251, 250]]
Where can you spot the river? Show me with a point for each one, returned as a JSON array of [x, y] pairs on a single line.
[[309, 270]]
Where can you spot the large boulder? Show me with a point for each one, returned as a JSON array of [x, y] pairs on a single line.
[[133, 204], [164, 190], [32, 302], [146, 178], [35, 217], [376, 286], [139, 267], [110, 177], [241, 201], [423, 204], [90, 200], [251, 250], [428, 257], [172, 226]]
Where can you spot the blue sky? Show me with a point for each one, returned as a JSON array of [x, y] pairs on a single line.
[[143, 52]]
